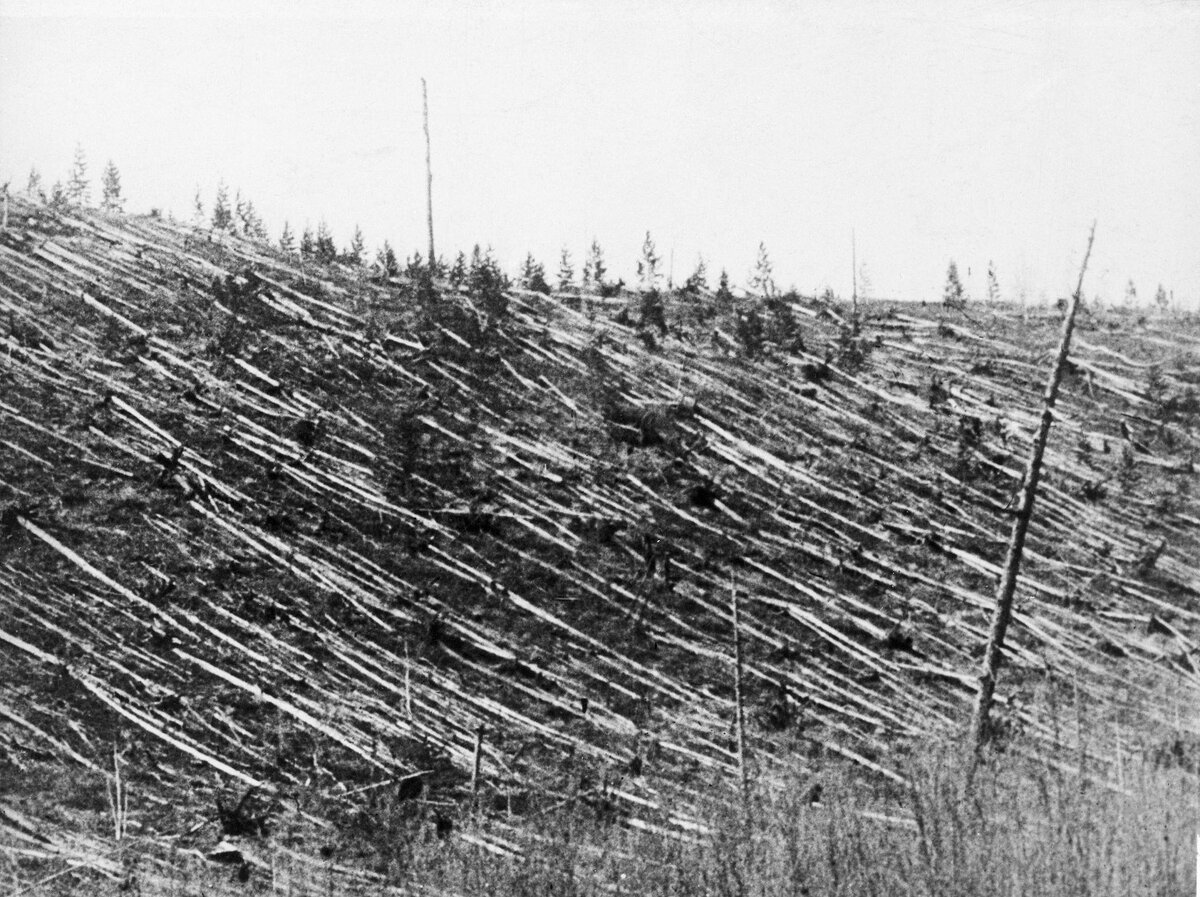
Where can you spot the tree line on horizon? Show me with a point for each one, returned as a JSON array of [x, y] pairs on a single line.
[[240, 217]]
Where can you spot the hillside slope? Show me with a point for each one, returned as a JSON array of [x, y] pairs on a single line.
[[303, 530]]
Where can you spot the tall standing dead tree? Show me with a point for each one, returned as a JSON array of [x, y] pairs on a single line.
[[428, 177], [739, 720], [1002, 613]]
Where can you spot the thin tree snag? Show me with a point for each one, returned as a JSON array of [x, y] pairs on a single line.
[[428, 177], [1002, 614], [476, 759], [854, 274], [740, 719]]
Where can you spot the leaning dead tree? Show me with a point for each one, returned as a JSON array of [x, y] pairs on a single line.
[[428, 175], [1002, 614], [739, 709]]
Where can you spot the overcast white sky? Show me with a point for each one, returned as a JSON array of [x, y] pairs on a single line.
[[987, 130]]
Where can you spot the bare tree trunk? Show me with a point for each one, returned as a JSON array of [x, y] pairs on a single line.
[[740, 719], [854, 274], [476, 759], [1002, 614], [428, 177]]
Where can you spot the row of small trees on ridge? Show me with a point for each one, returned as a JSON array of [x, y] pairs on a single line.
[[76, 190], [242, 218]]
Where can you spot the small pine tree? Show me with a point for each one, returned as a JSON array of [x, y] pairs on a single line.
[[1130, 293], [1161, 300], [953, 295], [566, 271], [724, 294], [77, 185], [697, 281], [458, 272], [308, 246], [415, 267], [647, 266], [111, 200], [487, 283], [385, 258], [239, 212], [326, 251], [993, 285], [33, 187], [254, 224], [222, 218], [287, 240], [762, 280], [593, 268], [533, 275], [58, 195], [354, 254], [197, 209]]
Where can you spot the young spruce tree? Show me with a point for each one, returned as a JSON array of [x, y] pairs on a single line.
[[111, 200], [647, 266], [458, 271], [77, 184], [222, 217], [953, 296], [385, 258], [724, 294], [354, 254], [762, 281], [533, 275], [239, 212], [326, 251], [566, 271], [287, 240], [33, 187], [697, 281], [993, 285], [593, 268], [197, 209]]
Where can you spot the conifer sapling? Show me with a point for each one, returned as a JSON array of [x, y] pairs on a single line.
[[697, 281], [953, 295], [458, 271], [111, 199], [357, 244], [77, 185], [287, 240], [222, 218], [593, 268], [993, 285], [566, 271], [647, 267], [762, 281], [533, 275], [33, 187], [197, 209]]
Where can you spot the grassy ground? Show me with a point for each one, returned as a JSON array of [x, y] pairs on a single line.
[[1021, 826]]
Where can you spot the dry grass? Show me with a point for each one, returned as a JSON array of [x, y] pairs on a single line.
[[1023, 826]]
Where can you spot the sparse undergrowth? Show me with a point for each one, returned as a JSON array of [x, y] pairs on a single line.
[[1022, 826]]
